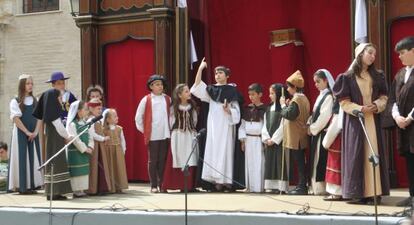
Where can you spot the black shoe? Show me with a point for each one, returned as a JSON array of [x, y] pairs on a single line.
[[276, 191], [371, 200], [406, 202], [57, 197], [358, 201], [299, 191]]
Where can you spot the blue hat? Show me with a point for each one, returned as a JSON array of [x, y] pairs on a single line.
[[57, 76]]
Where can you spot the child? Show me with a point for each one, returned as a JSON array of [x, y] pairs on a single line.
[[276, 158], [57, 79], [99, 182], [151, 119], [183, 120], [295, 138], [25, 153], [332, 142], [250, 137], [401, 96], [4, 164], [318, 122], [115, 149], [95, 91], [223, 115], [49, 109], [79, 151]]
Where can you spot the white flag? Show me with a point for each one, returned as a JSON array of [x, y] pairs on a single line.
[[193, 52], [361, 22], [182, 3]]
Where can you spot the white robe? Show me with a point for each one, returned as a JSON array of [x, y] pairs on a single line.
[[182, 142], [14, 153], [219, 150], [254, 155]]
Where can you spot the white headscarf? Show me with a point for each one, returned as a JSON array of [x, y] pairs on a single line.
[[104, 114], [73, 111], [329, 77], [358, 50], [24, 76]]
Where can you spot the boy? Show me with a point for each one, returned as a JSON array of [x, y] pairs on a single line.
[[57, 79], [223, 115], [250, 137], [4, 162], [295, 138], [402, 99], [152, 119]]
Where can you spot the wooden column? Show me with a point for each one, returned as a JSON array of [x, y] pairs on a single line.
[[377, 30], [164, 42]]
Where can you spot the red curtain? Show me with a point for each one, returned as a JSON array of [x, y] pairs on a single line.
[[238, 37], [399, 29], [128, 65]]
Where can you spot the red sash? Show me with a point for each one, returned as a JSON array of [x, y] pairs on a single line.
[[148, 117]]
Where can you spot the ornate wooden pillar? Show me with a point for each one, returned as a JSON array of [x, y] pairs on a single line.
[[377, 30], [86, 21], [164, 39]]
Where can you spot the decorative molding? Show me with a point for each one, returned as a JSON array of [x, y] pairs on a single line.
[[116, 5]]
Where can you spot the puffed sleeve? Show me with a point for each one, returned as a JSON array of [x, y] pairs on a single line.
[[200, 91], [14, 109], [342, 92]]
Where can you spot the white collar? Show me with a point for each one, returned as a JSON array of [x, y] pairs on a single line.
[[112, 127], [184, 107], [324, 91]]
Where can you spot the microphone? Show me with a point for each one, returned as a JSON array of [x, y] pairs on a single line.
[[358, 113], [94, 120], [201, 133]]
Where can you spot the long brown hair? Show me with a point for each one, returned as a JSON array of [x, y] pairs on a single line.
[[356, 68], [176, 99], [22, 92]]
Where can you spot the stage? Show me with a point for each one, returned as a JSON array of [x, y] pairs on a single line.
[[138, 206]]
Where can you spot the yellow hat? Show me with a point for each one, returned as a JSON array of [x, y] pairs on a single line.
[[296, 79]]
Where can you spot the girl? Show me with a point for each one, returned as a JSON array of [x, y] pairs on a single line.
[[95, 91], [276, 178], [332, 142], [115, 149], [362, 88], [99, 181], [25, 155], [318, 122], [183, 120], [79, 151]]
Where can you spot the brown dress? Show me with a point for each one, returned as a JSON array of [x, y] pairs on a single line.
[[99, 180], [116, 160]]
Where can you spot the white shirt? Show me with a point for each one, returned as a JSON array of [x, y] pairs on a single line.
[[160, 129], [395, 112], [15, 109]]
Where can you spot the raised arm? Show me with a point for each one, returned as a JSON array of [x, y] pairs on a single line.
[[202, 66]]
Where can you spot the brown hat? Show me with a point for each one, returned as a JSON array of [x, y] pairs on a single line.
[[296, 79]]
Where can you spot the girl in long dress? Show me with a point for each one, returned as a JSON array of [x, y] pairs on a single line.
[[79, 152], [319, 121], [183, 120], [115, 149], [25, 154], [276, 179], [362, 89]]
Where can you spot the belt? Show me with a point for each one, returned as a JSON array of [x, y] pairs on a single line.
[[254, 135]]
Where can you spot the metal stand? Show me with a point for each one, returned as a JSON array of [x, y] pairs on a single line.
[[186, 174], [373, 158], [50, 161]]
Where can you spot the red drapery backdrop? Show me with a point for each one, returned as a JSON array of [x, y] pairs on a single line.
[[399, 29], [237, 35], [128, 65]]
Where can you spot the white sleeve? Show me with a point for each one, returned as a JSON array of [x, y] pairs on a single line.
[[172, 117], [91, 142], [265, 132], [410, 115], [324, 116], [60, 128], [71, 129], [200, 91], [14, 109], [333, 131], [235, 113], [123, 142], [94, 135], [139, 115], [277, 137], [195, 117], [242, 130], [395, 112]]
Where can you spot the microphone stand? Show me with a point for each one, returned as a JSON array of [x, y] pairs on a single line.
[[186, 174], [50, 161], [373, 158]]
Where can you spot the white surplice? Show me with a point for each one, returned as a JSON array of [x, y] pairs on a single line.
[[219, 150]]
